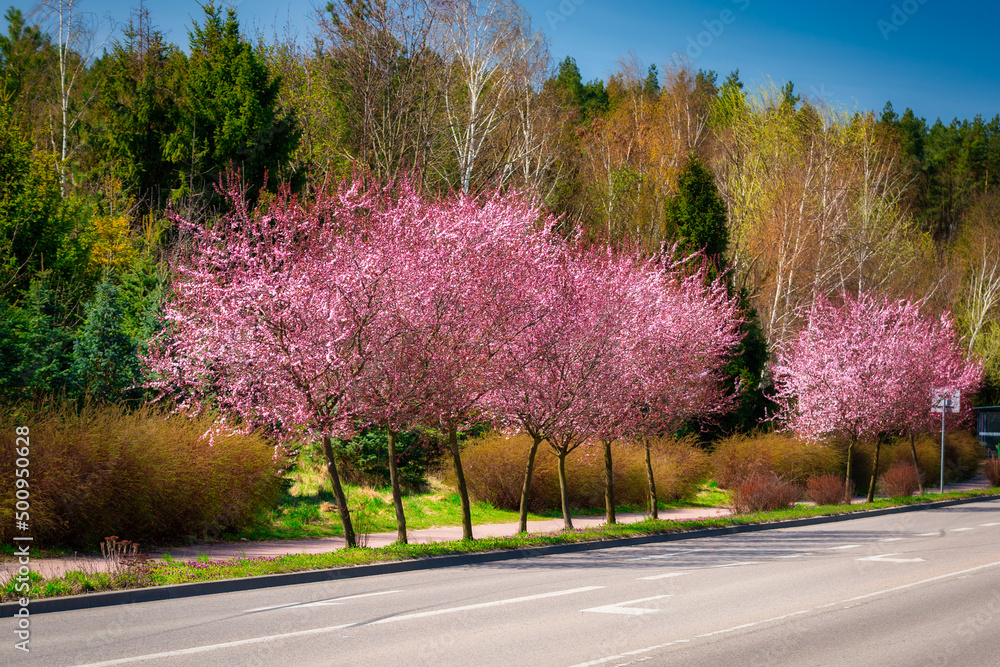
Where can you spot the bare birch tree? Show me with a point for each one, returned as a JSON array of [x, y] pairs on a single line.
[[74, 40], [496, 59]]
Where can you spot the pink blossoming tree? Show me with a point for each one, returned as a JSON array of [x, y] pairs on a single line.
[[275, 314], [864, 369]]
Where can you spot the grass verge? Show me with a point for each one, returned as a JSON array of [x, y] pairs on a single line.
[[161, 573]]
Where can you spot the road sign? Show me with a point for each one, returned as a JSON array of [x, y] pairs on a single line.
[[945, 400]]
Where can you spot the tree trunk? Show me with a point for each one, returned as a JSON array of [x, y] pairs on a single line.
[[916, 466], [850, 453], [338, 493], [654, 510], [609, 484], [397, 495], [563, 491], [871, 485], [463, 491], [522, 523]]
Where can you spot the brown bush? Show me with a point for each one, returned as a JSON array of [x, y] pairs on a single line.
[[679, 466], [899, 481], [763, 492], [494, 471], [738, 457], [829, 490], [992, 470], [147, 477], [962, 456]]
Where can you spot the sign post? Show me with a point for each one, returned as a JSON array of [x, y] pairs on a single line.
[[944, 400]]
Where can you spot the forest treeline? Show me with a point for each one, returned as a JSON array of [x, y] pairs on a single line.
[[100, 149]]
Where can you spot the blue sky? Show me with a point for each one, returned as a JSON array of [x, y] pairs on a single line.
[[937, 57]]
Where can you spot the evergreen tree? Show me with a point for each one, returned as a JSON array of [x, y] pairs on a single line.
[[230, 114], [138, 111], [590, 99], [32, 224], [651, 86], [697, 217], [27, 69], [697, 214], [47, 340], [105, 359]]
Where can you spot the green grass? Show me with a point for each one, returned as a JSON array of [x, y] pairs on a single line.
[[307, 510], [177, 572]]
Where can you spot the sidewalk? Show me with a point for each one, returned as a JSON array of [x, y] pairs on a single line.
[[50, 567]]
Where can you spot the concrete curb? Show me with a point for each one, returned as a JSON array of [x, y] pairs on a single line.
[[91, 600]]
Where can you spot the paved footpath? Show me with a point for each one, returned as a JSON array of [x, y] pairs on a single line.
[[49, 567]]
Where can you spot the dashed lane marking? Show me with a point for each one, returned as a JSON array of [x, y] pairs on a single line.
[[777, 619], [663, 576], [321, 603], [888, 558]]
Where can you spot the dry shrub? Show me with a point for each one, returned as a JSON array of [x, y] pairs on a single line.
[[679, 466], [494, 468], [762, 492], [962, 456], [494, 472], [739, 457], [101, 471], [899, 481], [992, 470], [829, 490]]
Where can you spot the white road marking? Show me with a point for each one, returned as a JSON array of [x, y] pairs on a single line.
[[216, 647], [928, 534], [669, 555], [846, 546], [319, 631], [960, 530], [483, 605], [663, 576], [321, 603], [887, 558], [621, 608], [611, 658], [988, 525], [746, 562], [890, 539], [799, 555]]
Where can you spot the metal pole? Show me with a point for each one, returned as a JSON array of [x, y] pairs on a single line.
[[943, 408]]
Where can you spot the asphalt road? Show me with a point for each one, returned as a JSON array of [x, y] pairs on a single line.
[[921, 588]]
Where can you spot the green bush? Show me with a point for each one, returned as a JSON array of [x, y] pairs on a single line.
[[364, 459], [144, 476], [494, 467], [738, 457]]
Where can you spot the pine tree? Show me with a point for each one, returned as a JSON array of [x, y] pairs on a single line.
[[105, 359], [697, 214], [230, 115]]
